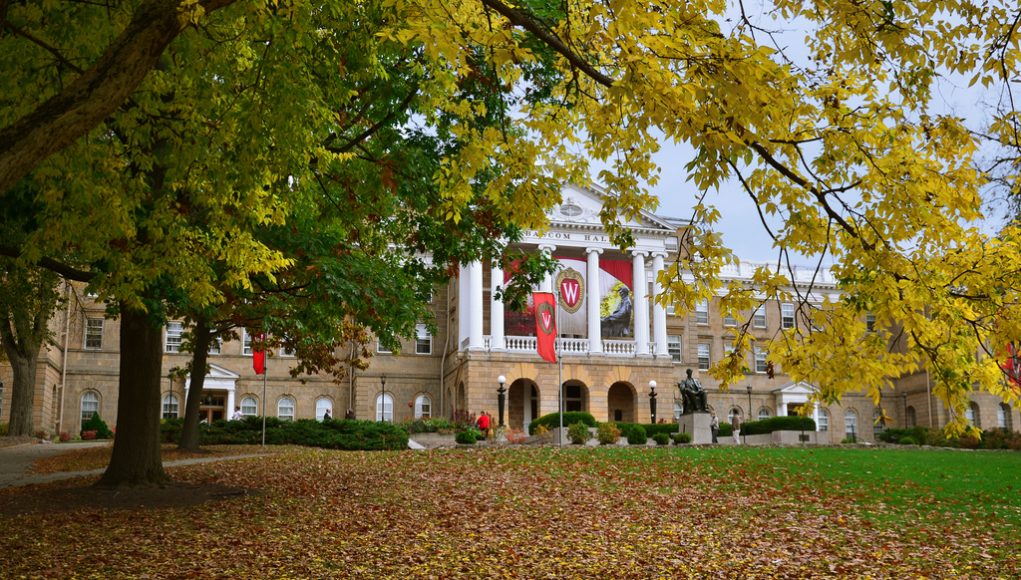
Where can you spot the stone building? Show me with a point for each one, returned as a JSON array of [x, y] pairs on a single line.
[[616, 342]]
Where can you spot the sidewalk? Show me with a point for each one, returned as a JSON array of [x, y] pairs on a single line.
[[16, 462]]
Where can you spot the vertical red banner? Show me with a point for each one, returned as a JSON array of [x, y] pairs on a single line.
[[259, 358], [545, 325]]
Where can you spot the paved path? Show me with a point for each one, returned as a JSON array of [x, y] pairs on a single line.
[[16, 462]]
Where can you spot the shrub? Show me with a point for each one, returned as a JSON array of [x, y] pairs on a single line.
[[907, 440], [579, 433], [541, 431], [849, 439], [347, 434], [552, 420], [607, 433], [681, 438], [650, 428], [661, 438], [787, 423], [726, 430], [170, 430], [96, 423], [466, 437], [912, 436], [636, 435]]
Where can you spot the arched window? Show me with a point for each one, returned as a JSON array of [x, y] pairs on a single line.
[[972, 414], [171, 407], [824, 420], [385, 407], [851, 423], [764, 413], [322, 406], [1003, 417], [423, 407], [285, 409], [249, 406], [90, 405], [910, 417]]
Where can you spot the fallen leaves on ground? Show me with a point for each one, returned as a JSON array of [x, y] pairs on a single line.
[[99, 457], [507, 513]]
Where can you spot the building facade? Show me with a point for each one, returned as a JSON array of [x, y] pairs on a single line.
[[616, 343]]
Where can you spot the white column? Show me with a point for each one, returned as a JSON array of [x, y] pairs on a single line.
[[462, 305], [229, 414], [595, 328], [475, 341], [547, 283], [496, 308], [641, 304], [658, 311]]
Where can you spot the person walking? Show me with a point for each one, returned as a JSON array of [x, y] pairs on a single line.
[[714, 426], [736, 422], [483, 423]]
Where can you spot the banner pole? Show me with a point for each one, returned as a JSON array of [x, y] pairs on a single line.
[[265, 374], [560, 364]]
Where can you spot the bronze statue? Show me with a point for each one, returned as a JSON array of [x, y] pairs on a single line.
[[693, 396]]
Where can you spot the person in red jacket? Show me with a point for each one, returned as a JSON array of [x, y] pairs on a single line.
[[483, 423]]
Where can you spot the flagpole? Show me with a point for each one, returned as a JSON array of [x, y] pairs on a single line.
[[560, 363], [265, 374]]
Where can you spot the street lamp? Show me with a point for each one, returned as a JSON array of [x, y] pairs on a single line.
[[652, 400], [501, 397], [749, 417], [382, 398]]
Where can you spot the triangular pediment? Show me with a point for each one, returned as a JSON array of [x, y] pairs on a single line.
[[580, 206], [218, 372], [798, 388]]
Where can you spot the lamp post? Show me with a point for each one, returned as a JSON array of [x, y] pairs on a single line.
[[501, 397], [652, 400], [382, 398], [749, 417]]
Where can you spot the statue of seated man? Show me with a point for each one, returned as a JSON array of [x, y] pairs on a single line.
[[693, 396]]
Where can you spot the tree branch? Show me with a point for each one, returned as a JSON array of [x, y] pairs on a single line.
[[99, 91]]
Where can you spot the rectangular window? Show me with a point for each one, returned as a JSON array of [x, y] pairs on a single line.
[[673, 346], [175, 330], [423, 340], [246, 342], [759, 318], [215, 345], [94, 333], [702, 312], [787, 315], [171, 407], [760, 359], [870, 322], [704, 360], [729, 320], [380, 349]]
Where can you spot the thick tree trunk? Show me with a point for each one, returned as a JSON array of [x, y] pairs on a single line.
[[190, 430], [136, 447], [23, 392]]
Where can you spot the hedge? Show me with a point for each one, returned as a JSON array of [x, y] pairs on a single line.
[[97, 424], [651, 429], [552, 420], [347, 434], [790, 423]]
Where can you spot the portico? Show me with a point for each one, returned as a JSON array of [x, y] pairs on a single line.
[[610, 334]]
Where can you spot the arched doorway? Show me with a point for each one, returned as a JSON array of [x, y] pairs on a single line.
[[620, 403], [522, 403], [575, 396]]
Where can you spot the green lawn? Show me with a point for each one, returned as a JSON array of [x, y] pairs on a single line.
[[537, 512]]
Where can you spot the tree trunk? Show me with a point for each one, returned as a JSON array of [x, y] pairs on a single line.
[[136, 446], [190, 429], [23, 391]]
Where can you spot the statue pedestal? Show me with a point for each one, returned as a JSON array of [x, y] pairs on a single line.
[[698, 425]]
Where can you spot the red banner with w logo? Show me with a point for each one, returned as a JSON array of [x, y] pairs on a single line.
[[545, 324], [259, 357]]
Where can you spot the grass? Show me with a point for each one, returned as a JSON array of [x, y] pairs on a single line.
[[578, 512]]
